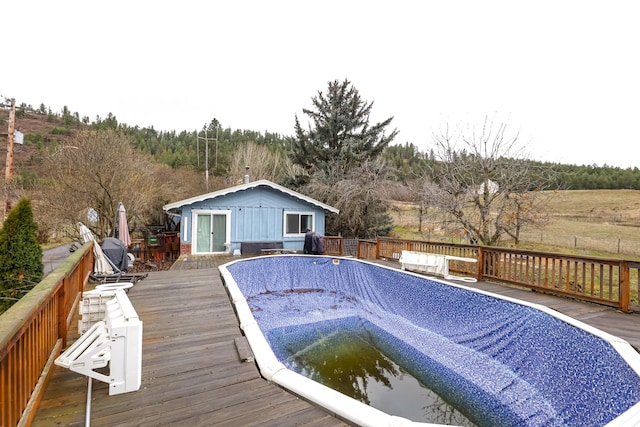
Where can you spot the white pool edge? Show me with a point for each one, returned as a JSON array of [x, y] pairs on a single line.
[[364, 415]]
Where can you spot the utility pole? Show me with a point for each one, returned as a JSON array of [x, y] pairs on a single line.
[[216, 146], [206, 159], [8, 172], [206, 156], [206, 153]]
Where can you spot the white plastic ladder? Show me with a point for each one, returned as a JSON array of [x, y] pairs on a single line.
[[115, 340]]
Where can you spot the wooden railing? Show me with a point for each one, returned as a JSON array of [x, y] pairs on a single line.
[[604, 281], [33, 332], [367, 249], [610, 282], [333, 245]]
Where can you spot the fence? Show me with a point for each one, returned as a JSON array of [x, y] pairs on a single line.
[[604, 281], [626, 246], [336, 245], [33, 332]]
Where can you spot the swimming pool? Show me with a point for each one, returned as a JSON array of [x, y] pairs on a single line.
[[506, 362]]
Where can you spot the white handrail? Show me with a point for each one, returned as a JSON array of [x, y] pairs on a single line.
[[436, 264]]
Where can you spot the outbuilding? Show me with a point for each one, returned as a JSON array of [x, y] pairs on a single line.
[[247, 218]]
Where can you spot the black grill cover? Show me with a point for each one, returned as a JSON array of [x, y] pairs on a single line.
[[116, 251]]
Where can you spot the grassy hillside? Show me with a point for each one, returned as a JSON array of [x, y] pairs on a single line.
[[588, 222], [39, 131], [621, 207]]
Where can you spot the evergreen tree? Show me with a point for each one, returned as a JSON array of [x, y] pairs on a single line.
[[340, 154], [21, 265], [339, 131]]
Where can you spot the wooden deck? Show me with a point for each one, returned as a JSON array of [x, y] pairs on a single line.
[[192, 372]]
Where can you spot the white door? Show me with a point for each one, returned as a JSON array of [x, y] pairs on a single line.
[[211, 231]]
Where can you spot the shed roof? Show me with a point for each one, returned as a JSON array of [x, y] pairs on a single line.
[[260, 183]]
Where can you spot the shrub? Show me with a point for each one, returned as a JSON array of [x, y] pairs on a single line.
[[21, 265], [60, 131]]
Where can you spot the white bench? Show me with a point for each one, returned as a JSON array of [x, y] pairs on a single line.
[[113, 337], [434, 264]]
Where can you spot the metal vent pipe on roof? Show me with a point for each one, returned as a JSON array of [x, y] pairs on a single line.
[[246, 174]]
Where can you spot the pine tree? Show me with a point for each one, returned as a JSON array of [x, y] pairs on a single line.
[[21, 265], [339, 131]]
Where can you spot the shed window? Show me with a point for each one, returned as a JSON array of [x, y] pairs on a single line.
[[297, 222]]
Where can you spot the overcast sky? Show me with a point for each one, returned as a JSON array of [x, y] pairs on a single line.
[[565, 75]]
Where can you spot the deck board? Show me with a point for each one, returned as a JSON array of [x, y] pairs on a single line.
[[192, 374]]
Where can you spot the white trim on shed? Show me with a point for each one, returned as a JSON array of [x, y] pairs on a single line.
[[263, 182]]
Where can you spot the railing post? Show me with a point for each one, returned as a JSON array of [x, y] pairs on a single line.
[[377, 247], [480, 264], [60, 314], [624, 286]]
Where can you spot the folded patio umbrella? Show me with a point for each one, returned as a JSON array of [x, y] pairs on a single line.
[[101, 264], [123, 228]]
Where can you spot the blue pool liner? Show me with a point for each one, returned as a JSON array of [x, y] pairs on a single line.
[[499, 361]]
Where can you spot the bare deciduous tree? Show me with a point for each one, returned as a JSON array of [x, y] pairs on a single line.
[[94, 172], [486, 183], [264, 163], [361, 193]]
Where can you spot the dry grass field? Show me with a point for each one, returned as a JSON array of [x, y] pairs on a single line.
[[587, 222]]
